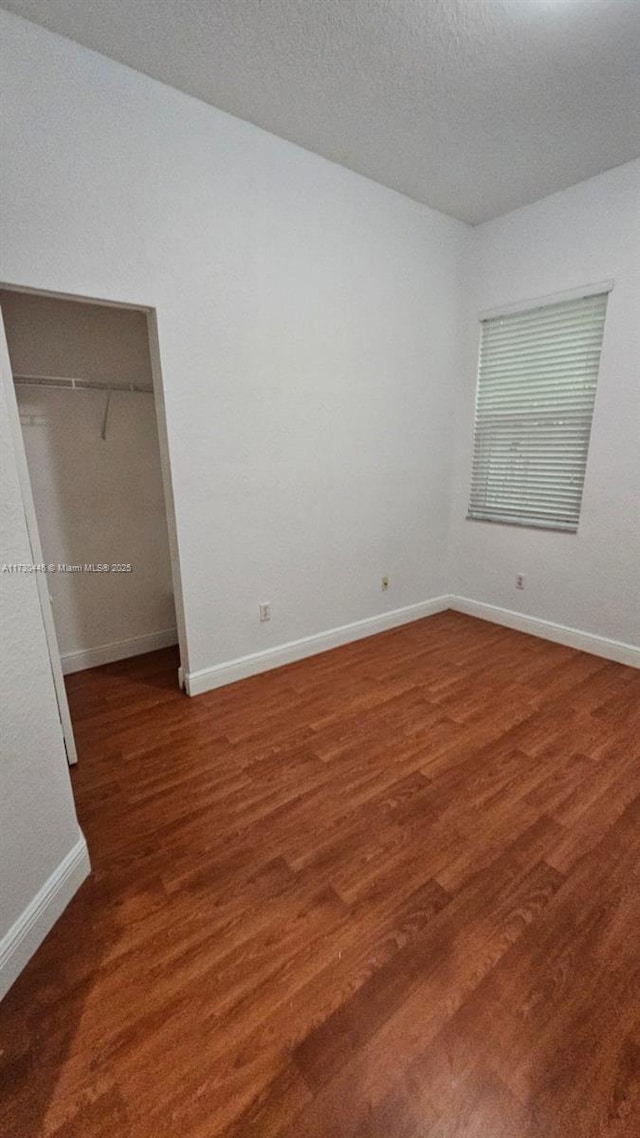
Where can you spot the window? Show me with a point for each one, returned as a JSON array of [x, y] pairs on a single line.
[[536, 389]]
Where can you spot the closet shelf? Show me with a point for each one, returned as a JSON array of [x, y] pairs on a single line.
[[78, 384], [75, 383]]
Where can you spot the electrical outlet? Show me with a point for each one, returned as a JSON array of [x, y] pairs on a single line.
[[265, 611], [519, 581], [384, 584]]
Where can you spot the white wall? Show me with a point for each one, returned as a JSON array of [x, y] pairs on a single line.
[[589, 580], [97, 501], [307, 321], [38, 827]]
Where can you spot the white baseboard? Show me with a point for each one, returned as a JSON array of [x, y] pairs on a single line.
[[216, 677], [28, 932], [118, 650], [207, 679], [548, 630]]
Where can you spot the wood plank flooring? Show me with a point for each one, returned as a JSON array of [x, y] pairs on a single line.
[[392, 891]]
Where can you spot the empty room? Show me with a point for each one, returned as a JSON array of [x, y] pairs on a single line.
[[320, 569]]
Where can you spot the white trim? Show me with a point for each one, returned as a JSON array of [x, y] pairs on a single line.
[[33, 533], [548, 630], [220, 674], [167, 482], [13, 286], [118, 650], [28, 932], [542, 301]]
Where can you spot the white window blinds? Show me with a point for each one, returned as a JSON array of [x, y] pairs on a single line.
[[536, 389]]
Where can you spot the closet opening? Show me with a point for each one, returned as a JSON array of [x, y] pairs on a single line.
[[84, 388]]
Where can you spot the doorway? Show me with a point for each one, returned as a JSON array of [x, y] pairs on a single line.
[[86, 386]]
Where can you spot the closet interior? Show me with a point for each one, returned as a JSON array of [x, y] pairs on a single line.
[[84, 387]]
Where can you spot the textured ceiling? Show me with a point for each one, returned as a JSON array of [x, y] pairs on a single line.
[[472, 106]]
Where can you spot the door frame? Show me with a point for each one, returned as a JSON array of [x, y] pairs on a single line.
[[27, 493], [34, 541]]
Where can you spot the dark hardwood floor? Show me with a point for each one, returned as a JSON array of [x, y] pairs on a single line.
[[392, 891]]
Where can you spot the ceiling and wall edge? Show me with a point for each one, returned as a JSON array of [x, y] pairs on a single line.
[[471, 109]]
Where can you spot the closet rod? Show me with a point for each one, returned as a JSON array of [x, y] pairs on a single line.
[[76, 383]]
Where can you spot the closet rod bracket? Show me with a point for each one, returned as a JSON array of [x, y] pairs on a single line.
[[106, 415]]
